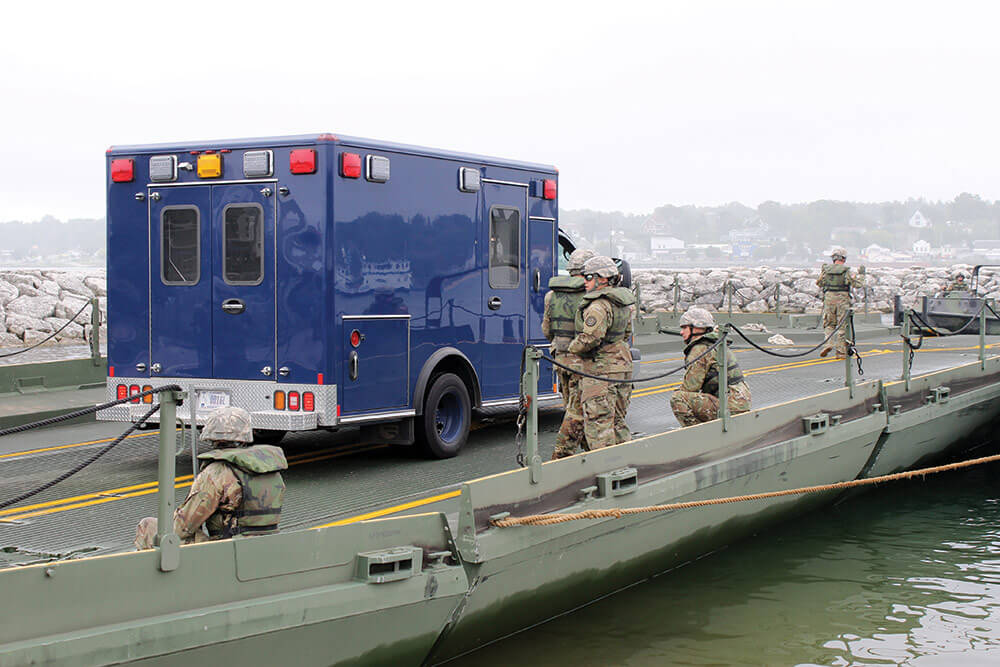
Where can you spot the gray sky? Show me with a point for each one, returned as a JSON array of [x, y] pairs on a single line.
[[638, 105]]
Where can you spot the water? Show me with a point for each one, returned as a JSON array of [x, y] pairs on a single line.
[[908, 573]]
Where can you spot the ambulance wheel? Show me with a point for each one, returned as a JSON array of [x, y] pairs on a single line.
[[444, 427], [266, 436]]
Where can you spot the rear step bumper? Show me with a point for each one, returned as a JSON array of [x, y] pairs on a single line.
[[255, 396]]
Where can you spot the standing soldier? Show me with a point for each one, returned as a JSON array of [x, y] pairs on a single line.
[[602, 325], [957, 284], [559, 326], [836, 281], [238, 491], [697, 399]]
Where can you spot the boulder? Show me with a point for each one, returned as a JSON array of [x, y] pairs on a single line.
[[72, 330], [18, 324], [8, 292], [38, 307], [72, 283], [759, 306], [10, 340], [807, 286], [97, 285], [49, 287], [31, 337], [71, 306]]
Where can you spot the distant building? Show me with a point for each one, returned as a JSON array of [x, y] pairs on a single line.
[[987, 248], [921, 248], [655, 227], [918, 221], [665, 244]]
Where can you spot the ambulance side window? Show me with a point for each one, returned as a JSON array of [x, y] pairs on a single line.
[[243, 244], [505, 247], [180, 247]]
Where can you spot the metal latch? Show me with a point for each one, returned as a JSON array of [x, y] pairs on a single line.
[[816, 424], [379, 567], [940, 394], [618, 482]]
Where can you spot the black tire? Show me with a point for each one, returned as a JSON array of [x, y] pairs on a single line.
[[443, 429], [266, 436]]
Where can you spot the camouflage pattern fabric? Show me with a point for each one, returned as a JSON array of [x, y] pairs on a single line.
[[216, 487], [835, 306], [612, 359], [230, 424], [695, 407], [570, 437], [957, 286], [216, 497]]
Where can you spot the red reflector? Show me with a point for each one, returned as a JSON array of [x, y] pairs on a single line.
[[319, 378], [355, 338], [302, 161], [338, 411], [350, 165], [326, 136], [293, 400], [308, 401], [122, 391], [122, 170], [133, 391], [226, 150], [111, 371], [549, 189]]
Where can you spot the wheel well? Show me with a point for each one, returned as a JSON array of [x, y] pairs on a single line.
[[446, 361]]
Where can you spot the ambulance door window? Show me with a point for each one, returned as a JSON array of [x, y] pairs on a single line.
[[180, 249], [505, 247], [243, 244]]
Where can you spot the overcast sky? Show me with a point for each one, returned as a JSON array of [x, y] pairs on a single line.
[[638, 105]]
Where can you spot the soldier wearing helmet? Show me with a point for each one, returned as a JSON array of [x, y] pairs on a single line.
[[836, 281], [602, 329], [957, 284], [559, 326], [239, 489], [697, 399]]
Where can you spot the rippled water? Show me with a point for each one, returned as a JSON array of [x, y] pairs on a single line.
[[904, 574]]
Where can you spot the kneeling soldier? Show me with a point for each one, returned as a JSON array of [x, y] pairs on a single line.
[[697, 399], [238, 491]]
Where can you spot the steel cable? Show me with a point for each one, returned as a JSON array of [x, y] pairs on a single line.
[[790, 355], [49, 337], [81, 466]]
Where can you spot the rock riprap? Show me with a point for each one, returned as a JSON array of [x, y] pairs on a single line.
[[34, 303], [755, 289]]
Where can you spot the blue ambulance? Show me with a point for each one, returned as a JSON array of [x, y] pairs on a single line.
[[320, 281]]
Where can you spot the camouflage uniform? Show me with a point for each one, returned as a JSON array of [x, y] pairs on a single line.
[[836, 281], [956, 286], [559, 326], [602, 324], [697, 399], [239, 490]]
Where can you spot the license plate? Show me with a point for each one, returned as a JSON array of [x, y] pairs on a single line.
[[210, 400]]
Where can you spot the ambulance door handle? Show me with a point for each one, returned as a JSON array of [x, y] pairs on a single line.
[[233, 306], [354, 365], [494, 303], [538, 280]]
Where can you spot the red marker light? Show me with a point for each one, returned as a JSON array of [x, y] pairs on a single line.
[[350, 165], [302, 161], [121, 391], [122, 170], [319, 378], [133, 391], [308, 401], [293, 400], [355, 338], [549, 189]]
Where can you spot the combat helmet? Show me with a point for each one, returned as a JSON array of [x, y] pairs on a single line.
[[838, 253], [602, 266], [577, 259], [229, 424], [697, 317], [959, 273]]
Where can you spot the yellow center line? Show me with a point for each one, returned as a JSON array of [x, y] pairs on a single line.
[[390, 510], [76, 444], [134, 491]]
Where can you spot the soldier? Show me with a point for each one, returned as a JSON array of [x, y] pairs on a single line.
[[238, 491], [559, 326], [697, 399], [836, 281], [603, 321], [957, 284]]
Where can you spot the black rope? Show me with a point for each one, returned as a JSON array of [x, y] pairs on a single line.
[[85, 411], [50, 337], [635, 379], [920, 322], [81, 466], [790, 355]]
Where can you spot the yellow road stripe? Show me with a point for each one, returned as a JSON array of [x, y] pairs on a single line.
[[391, 510], [100, 497], [76, 444]]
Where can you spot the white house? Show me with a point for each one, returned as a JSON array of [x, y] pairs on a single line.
[[921, 247], [662, 244]]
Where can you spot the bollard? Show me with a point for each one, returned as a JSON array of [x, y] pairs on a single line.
[[166, 539], [529, 387], [677, 293], [849, 368], [777, 299], [95, 331], [906, 349], [982, 336], [723, 364]]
